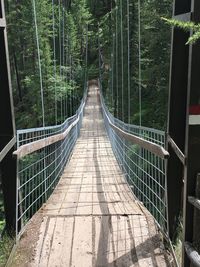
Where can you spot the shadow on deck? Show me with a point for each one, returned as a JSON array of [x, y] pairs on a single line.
[[92, 218]]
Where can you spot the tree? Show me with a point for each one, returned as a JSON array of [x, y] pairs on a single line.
[[62, 44]]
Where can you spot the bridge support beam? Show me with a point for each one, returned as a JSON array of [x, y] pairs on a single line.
[[184, 123], [177, 115], [7, 129]]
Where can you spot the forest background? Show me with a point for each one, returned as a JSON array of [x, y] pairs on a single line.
[[56, 46]]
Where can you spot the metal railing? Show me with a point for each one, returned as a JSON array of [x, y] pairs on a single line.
[[141, 154], [42, 154], [33, 134]]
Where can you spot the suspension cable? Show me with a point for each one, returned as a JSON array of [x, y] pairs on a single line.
[[41, 91], [54, 63], [39, 63], [72, 68], [128, 60], [112, 57], [86, 59], [60, 43], [70, 78], [139, 62], [117, 79], [63, 58], [67, 60], [60, 58], [140, 185], [122, 59], [99, 56], [122, 75]]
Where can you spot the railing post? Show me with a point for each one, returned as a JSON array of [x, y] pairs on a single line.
[[7, 128], [196, 232], [192, 140], [8, 176], [184, 123], [177, 114]]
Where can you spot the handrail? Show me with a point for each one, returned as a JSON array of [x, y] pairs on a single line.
[[192, 254], [7, 148], [194, 201], [44, 128], [177, 150], [154, 148], [150, 146], [31, 147], [141, 154]]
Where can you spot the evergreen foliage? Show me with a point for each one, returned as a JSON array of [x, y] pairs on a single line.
[[104, 24], [71, 18], [110, 27], [155, 38], [187, 26]]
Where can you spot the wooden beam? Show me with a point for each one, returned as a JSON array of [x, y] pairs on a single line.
[[154, 148], [176, 149], [7, 148], [2, 23], [192, 254], [194, 201], [29, 148]]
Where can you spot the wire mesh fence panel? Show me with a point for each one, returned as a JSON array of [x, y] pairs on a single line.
[[145, 171], [30, 135], [39, 172]]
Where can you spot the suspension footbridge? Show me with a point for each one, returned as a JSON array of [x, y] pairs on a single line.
[[95, 189], [92, 218]]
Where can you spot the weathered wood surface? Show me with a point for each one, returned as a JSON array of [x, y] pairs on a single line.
[[92, 218], [150, 146], [37, 145]]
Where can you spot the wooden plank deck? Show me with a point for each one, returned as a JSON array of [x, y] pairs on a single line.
[[92, 218]]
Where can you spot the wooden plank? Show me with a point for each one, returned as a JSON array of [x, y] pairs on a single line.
[[67, 243], [61, 244], [141, 238], [93, 217], [67, 207], [82, 242], [57, 242], [102, 241], [123, 243], [46, 248], [40, 242], [84, 208]]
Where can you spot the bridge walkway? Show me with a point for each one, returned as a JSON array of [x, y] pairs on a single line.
[[92, 218]]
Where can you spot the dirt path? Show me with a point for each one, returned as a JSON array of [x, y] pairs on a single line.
[[92, 218]]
